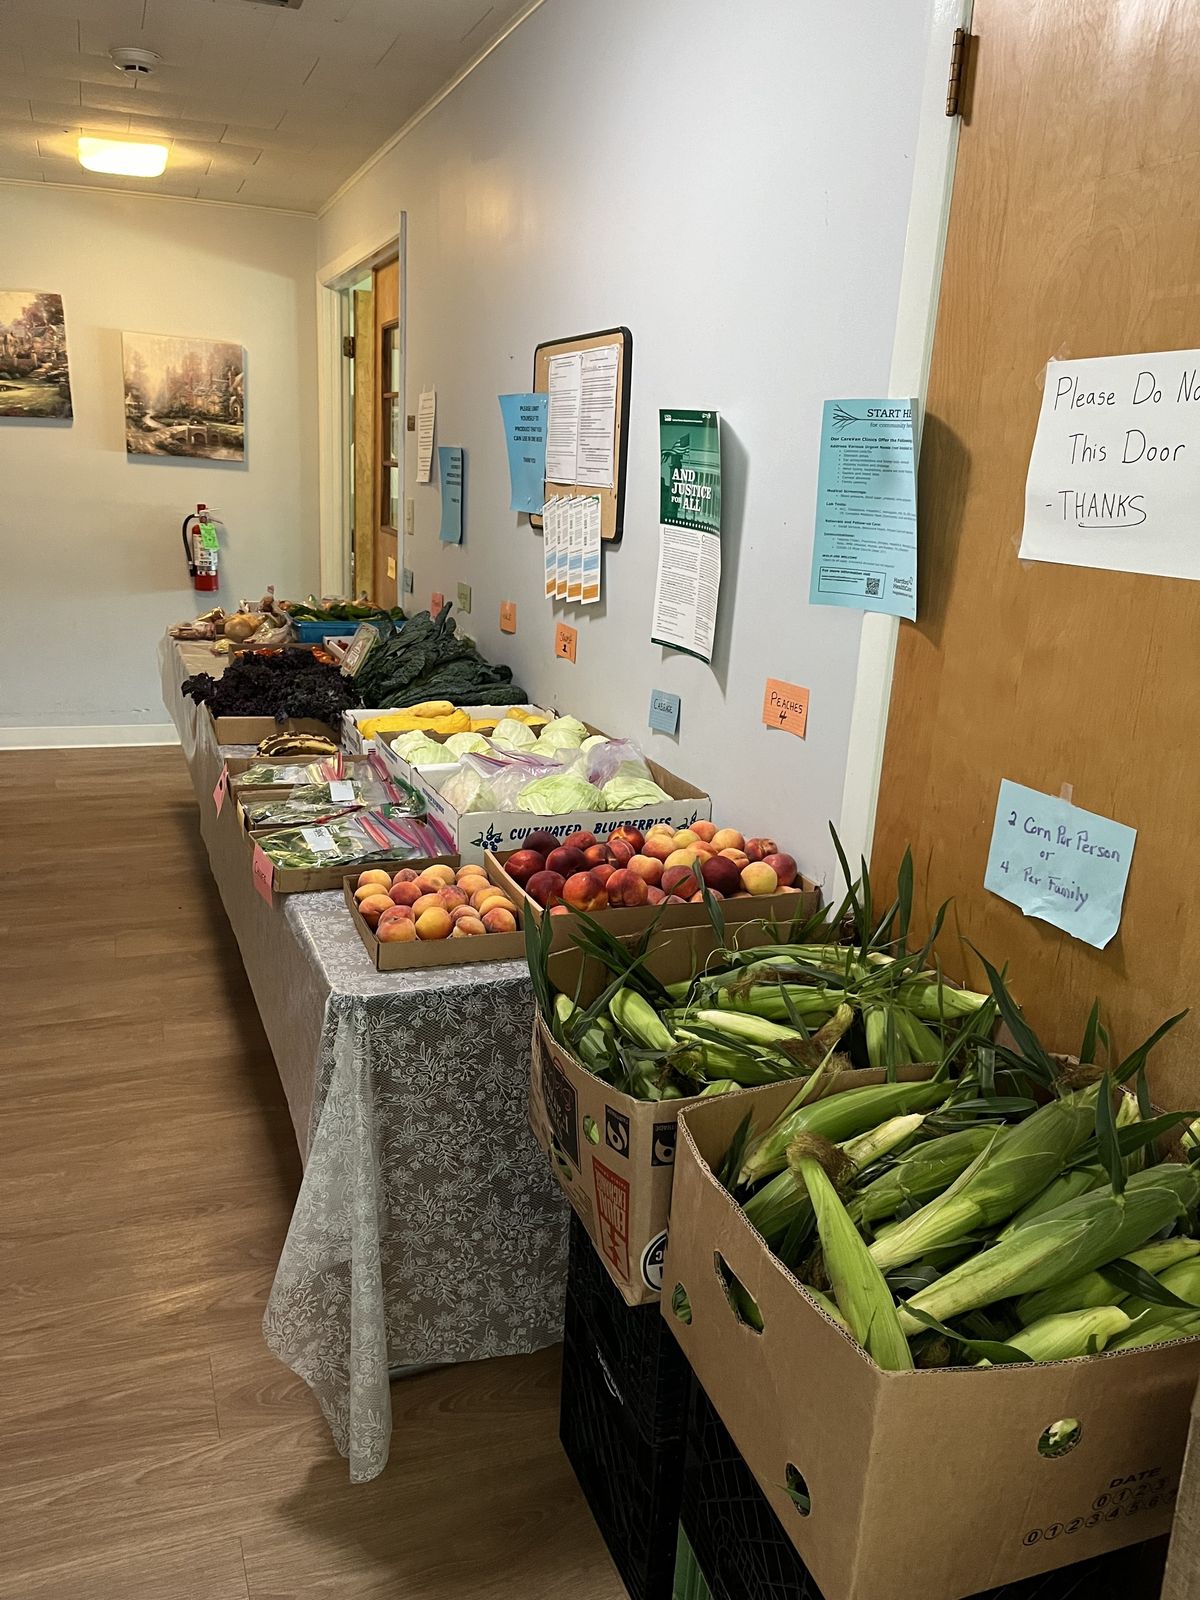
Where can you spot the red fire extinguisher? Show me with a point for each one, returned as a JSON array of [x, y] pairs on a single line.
[[200, 548]]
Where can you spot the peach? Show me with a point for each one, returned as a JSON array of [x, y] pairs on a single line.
[[470, 887], [566, 860], [522, 865], [626, 888], [464, 913], [560, 910], [604, 871], [368, 891], [698, 897], [685, 837], [722, 874], [705, 831], [434, 924], [372, 908], [621, 852], [494, 902], [448, 898], [580, 840], [427, 902], [659, 846], [375, 875], [739, 857], [396, 930], [784, 867], [682, 857], [676, 878], [405, 875], [499, 920], [405, 894], [585, 892], [541, 841], [468, 928], [405, 913], [630, 834], [674, 900], [654, 895], [545, 887], [647, 867], [760, 849], [759, 878], [441, 873], [597, 855], [727, 839], [703, 852], [430, 885]]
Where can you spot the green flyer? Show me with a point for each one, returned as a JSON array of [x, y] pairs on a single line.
[[689, 531]]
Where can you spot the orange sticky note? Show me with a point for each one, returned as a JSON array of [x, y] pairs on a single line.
[[785, 705], [221, 790], [565, 640], [436, 602], [263, 871], [508, 616]]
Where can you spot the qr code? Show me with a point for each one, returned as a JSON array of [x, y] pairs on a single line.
[[872, 585]]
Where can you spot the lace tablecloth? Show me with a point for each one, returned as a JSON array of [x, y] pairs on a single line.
[[427, 1228]]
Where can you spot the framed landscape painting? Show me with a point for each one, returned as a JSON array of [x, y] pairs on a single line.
[[184, 397], [34, 377]]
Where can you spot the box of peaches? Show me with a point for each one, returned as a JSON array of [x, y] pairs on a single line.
[[434, 913], [633, 879]]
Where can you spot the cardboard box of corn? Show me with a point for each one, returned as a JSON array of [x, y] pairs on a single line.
[[631, 1031], [956, 1346]]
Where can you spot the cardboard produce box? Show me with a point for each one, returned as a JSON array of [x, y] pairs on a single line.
[[253, 730], [781, 909], [613, 1155], [924, 1485], [432, 952]]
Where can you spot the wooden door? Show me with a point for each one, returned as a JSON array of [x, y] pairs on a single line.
[[365, 507], [389, 435], [1073, 232]]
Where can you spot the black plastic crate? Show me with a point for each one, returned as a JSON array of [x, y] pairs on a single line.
[[632, 1483], [643, 1360], [744, 1553]]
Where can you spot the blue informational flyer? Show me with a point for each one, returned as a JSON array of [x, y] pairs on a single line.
[[450, 476], [1059, 863], [865, 544], [525, 433]]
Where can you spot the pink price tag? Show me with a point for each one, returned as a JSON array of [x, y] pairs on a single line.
[[221, 790], [263, 872]]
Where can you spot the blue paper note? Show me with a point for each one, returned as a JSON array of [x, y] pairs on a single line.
[[664, 711], [865, 544], [525, 430], [1066, 866], [450, 476]]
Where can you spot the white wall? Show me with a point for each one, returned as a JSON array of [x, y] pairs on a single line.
[[93, 567], [732, 183]]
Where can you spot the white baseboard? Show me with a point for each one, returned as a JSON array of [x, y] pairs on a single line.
[[95, 738]]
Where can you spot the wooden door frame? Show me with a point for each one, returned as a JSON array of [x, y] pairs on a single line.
[[912, 350]]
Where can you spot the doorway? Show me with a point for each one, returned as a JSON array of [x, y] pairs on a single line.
[[377, 434]]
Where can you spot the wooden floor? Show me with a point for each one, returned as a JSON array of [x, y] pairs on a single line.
[[151, 1447]]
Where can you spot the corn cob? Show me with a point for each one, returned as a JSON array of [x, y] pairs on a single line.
[[719, 1086], [862, 1296], [921, 1173], [1069, 1333], [826, 1305], [591, 1044], [1078, 1237], [838, 1116], [1182, 1280], [933, 1001], [1002, 1179], [1094, 1289], [637, 1019], [1067, 1186], [1172, 1325]]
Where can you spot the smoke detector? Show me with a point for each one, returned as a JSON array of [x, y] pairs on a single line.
[[132, 63]]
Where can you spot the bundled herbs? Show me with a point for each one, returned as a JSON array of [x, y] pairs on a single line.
[[348, 840], [428, 659], [292, 683]]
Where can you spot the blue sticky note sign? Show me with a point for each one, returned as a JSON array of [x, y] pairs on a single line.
[[664, 711], [450, 476], [865, 536], [525, 432], [1054, 861]]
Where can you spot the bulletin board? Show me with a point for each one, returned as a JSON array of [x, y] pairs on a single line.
[[612, 501]]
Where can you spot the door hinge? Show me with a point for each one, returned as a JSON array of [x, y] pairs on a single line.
[[954, 84], [348, 346]]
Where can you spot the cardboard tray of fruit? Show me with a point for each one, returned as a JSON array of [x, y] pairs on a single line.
[[632, 880], [433, 913]]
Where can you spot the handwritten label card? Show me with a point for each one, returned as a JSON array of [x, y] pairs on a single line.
[[263, 871], [464, 597], [508, 616], [221, 790], [436, 602], [565, 641], [1057, 862], [664, 711], [1114, 477], [785, 705]]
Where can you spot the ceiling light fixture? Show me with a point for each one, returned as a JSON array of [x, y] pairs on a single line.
[[119, 156]]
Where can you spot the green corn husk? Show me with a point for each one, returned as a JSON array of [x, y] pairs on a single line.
[[933, 1001], [921, 1173], [1172, 1325], [639, 1021], [1078, 1237], [827, 1305], [745, 1028], [1067, 1186], [1069, 1333], [862, 1296], [1182, 1280], [1002, 1179], [591, 1044], [838, 1116], [775, 1206], [1094, 1289], [719, 1086], [747, 1070]]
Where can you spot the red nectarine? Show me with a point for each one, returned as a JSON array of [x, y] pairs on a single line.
[[626, 888]]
